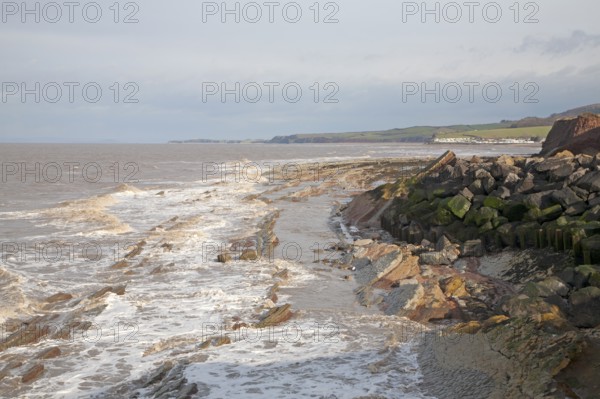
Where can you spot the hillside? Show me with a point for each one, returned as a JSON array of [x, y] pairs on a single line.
[[530, 128]]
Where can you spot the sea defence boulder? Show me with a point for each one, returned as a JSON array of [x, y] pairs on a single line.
[[505, 202], [579, 135], [510, 246]]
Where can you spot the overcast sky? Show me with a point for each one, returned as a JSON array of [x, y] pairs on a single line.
[[366, 71]]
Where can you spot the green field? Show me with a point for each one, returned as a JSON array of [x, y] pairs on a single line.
[[538, 131], [410, 134]]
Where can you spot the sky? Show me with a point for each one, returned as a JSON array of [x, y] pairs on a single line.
[[153, 71]]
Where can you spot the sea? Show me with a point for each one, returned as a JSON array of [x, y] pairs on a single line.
[[70, 212]]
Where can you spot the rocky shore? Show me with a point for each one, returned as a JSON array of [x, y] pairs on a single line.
[[502, 256]]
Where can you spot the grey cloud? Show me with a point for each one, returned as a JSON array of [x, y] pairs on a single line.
[[560, 45]]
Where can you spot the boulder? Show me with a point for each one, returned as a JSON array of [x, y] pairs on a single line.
[[375, 261], [494, 202], [586, 275], [484, 215], [501, 192], [554, 286], [585, 307], [443, 243], [507, 234], [539, 200], [465, 192], [459, 206], [571, 134], [585, 160], [477, 187], [473, 248], [525, 185], [562, 172], [511, 180], [590, 182], [506, 160], [565, 197], [434, 258], [404, 298]]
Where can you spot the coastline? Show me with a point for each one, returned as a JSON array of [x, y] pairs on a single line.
[[386, 313]]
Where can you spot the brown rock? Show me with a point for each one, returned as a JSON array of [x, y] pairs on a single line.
[[60, 297], [578, 135], [119, 290], [136, 250], [276, 316], [50, 353], [454, 287], [120, 264], [224, 258], [564, 154], [33, 373], [249, 255]]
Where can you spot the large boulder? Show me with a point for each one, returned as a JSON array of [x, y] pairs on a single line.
[[590, 182], [459, 206], [578, 135]]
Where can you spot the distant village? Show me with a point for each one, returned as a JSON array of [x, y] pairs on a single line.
[[481, 140]]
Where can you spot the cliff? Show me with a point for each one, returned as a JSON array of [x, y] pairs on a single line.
[[578, 135]]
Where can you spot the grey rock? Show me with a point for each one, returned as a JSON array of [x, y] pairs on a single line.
[[584, 160], [585, 307], [578, 174], [489, 184], [477, 187], [406, 297], [550, 164], [465, 192], [501, 192], [594, 201], [562, 172], [525, 185], [565, 197], [443, 243], [590, 182], [576, 209], [540, 200], [473, 248], [433, 258], [555, 285], [511, 180]]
